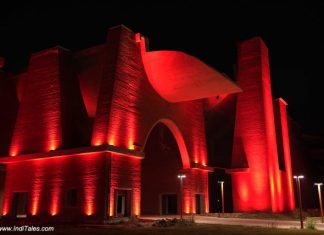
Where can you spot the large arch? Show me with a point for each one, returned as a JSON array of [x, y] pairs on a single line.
[[178, 137], [164, 160]]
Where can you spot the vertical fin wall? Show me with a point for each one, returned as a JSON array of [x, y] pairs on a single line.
[[280, 112], [51, 110], [259, 187]]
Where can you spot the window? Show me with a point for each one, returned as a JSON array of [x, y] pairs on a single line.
[[19, 206]]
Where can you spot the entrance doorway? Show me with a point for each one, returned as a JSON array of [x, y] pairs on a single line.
[[169, 204], [123, 202], [160, 168], [19, 205], [200, 203]]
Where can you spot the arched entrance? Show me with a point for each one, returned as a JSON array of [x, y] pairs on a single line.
[[162, 163]]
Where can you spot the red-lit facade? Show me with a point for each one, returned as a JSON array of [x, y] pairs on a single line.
[[260, 138], [76, 146]]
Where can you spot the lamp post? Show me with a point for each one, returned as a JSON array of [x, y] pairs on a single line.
[[320, 199], [181, 177], [222, 192], [297, 178]]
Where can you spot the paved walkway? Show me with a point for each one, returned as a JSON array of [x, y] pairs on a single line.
[[240, 221]]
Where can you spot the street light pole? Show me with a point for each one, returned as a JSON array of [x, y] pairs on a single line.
[[222, 192], [297, 178], [320, 199], [181, 177]]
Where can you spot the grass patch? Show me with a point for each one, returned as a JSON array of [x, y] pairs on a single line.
[[310, 223], [183, 230], [294, 215]]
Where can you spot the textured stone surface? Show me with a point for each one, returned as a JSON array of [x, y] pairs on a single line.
[[260, 187], [60, 95], [48, 180]]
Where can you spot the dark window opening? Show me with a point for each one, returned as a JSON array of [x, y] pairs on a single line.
[[169, 204], [123, 202], [19, 206], [199, 203]]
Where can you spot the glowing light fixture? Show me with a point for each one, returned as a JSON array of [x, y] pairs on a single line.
[[181, 177], [222, 192], [297, 178], [320, 199]]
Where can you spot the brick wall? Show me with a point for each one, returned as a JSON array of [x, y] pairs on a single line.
[[260, 188], [51, 113], [128, 107], [55, 111], [47, 181]]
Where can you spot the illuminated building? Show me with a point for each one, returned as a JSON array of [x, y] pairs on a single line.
[[78, 124]]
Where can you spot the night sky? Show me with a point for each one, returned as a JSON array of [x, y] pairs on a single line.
[[293, 33]]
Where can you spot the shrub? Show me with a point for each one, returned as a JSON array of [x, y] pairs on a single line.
[[173, 222], [310, 223], [133, 220]]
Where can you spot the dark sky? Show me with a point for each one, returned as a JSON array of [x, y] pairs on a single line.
[[293, 33]]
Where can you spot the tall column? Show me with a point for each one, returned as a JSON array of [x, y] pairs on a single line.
[[256, 187]]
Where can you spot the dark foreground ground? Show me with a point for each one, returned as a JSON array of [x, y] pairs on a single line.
[[176, 230]]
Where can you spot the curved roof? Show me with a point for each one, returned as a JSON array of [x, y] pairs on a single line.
[[177, 76]]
